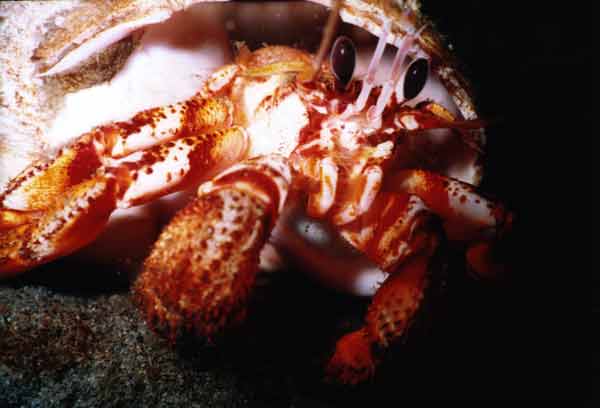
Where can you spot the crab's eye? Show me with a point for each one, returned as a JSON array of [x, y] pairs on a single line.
[[343, 60], [415, 78]]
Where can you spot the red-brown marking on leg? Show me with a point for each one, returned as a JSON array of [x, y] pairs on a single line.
[[38, 186], [392, 309], [466, 215], [180, 164], [84, 164], [83, 215], [393, 229], [430, 187], [398, 234], [162, 124], [396, 302]]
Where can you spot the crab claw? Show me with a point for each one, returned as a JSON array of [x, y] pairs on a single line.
[[200, 272], [116, 165], [72, 221]]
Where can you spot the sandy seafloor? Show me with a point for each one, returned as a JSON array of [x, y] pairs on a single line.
[[67, 343]]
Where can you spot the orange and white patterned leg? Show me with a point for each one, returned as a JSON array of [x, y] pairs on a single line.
[[468, 217], [392, 309], [200, 272], [39, 184], [157, 151], [397, 234], [48, 197]]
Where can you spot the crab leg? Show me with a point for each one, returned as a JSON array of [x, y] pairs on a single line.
[[200, 272], [44, 209], [77, 208], [390, 231], [467, 216], [396, 233], [456, 202], [37, 185], [40, 183], [176, 165], [157, 125], [391, 311]]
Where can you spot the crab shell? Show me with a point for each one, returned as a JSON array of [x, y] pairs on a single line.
[[69, 66]]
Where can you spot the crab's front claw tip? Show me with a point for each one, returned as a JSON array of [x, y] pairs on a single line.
[[353, 361], [69, 222], [199, 274]]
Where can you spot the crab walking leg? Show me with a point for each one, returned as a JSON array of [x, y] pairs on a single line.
[[199, 274], [177, 164], [454, 201], [394, 305], [397, 234], [153, 126], [39, 184], [395, 227], [203, 113], [467, 216], [36, 188]]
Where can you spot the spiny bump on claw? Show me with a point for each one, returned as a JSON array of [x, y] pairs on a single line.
[[199, 274]]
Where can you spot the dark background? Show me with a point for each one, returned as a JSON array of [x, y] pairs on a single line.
[[529, 64], [523, 341]]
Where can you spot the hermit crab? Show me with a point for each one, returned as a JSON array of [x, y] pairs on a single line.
[[283, 148]]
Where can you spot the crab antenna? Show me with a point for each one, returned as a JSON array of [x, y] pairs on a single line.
[[328, 32], [396, 71], [369, 80]]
